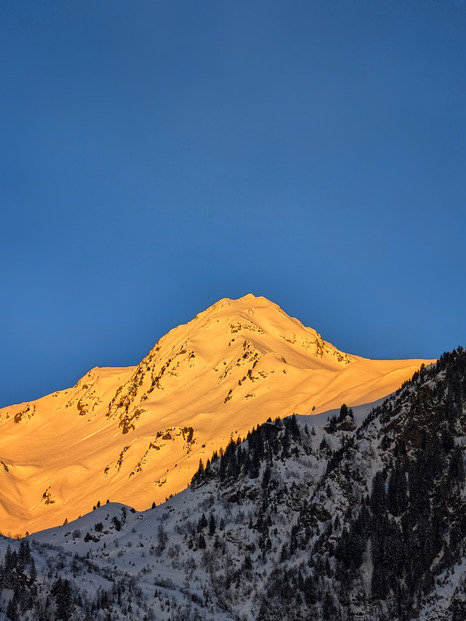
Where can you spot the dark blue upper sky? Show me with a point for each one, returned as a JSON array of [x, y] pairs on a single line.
[[159, 155]]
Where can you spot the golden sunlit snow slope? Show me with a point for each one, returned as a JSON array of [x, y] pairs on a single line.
[[136, 434]]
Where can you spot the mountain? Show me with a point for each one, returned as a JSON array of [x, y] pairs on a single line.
[[135, 435], [355, 514]]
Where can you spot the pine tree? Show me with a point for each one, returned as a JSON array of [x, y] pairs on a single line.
[[343, 412], [212, 525], [202, 523], [61, 592]]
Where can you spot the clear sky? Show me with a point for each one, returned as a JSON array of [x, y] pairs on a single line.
[[158, 155]]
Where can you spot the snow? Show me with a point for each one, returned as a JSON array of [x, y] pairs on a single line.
[[157, 553], [124, 434]]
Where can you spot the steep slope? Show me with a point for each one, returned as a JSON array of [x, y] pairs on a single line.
[[331, 517], [135, 435]]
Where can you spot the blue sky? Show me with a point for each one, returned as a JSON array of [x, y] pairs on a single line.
[[160, 155]]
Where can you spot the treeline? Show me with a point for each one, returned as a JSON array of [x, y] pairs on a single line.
[[272, 440]]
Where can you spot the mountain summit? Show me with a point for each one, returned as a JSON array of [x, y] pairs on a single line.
[[136, 434]]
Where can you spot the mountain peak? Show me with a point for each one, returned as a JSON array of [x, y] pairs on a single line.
[[136, 434], [254, 300], [248, 301]]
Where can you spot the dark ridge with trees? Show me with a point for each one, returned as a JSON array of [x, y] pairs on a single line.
[[409, 525]]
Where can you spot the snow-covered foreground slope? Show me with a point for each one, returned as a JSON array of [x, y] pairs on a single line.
[[326, 517], [135, 435]]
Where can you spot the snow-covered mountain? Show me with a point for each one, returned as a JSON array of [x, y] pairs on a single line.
[[135, 435], [351, 514]]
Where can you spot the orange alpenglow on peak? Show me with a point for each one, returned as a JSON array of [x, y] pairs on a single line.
[[135, 434]]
